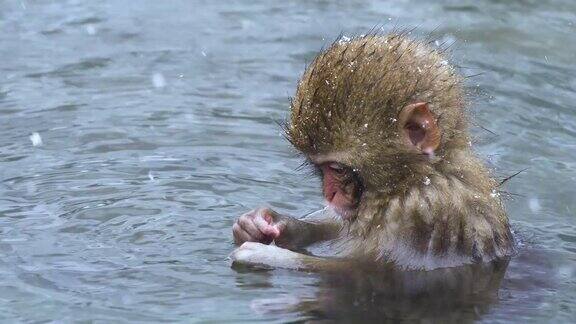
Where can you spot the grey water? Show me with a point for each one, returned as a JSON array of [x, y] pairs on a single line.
[[133, 133]]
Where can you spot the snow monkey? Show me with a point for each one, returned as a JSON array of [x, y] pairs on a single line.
[[382, 119]]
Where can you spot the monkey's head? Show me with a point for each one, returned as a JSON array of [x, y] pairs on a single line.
[[376, 115]]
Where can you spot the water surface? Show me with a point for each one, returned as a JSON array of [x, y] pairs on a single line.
[[157, 123]]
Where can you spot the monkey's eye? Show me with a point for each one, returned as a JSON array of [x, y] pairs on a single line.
[[337, 168]]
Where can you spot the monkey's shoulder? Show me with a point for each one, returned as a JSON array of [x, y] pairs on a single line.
[[428, 230]]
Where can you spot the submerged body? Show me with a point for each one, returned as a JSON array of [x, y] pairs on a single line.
[[383, 121]]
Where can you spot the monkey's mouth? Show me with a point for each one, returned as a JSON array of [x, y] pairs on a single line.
[[340, 201], [344, 213]]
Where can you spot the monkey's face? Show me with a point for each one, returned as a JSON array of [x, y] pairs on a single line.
[[380, 109], [342, 188], [375, 164]]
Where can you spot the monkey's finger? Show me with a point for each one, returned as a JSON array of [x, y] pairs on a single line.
[[262, 214], [240, 235], [247, 224], [269, 215], [279, 227], [266, 228]]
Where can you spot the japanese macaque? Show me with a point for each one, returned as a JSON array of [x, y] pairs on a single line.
[[382, 119]]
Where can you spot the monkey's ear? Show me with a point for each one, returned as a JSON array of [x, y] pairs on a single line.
[[419, 128]]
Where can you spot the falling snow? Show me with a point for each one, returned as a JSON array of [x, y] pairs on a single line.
[[158, 80], [36, 139], [426, 181], [494, 193], [91, 29], [343, 40], [534, 204]]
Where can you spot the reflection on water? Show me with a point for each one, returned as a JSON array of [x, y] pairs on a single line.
[[461, 294], [458, 294], [133, 133]]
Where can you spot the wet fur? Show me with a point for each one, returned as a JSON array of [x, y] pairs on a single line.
[[417, 211]]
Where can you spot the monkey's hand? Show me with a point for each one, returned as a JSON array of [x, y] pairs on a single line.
[[258, 254], [261, 225], [272, 256]]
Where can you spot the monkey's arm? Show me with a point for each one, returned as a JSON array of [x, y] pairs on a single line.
[[298, 234], [265, 225], [270, 256]]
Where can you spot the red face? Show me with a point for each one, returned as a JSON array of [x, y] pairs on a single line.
[[341, 188]]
